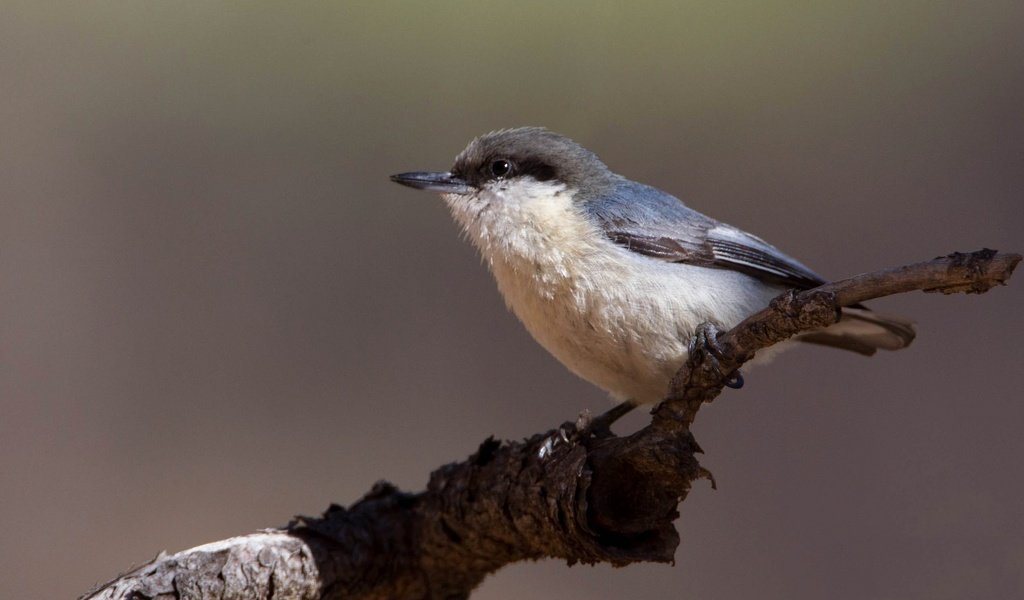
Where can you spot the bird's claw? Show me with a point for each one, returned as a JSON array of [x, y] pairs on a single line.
[[733, 380], [707, 338], [547, 448]]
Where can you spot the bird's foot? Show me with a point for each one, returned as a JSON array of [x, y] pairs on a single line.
[[706, 337], [547, 447]]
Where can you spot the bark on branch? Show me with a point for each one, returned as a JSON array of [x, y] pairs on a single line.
[[567, 493]]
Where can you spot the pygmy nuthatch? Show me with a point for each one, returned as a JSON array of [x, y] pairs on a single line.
[[611, 276]]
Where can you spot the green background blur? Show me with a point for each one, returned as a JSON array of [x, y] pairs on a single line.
[[216, 311]]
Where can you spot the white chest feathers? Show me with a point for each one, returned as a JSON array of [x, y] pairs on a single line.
[[615, 318]]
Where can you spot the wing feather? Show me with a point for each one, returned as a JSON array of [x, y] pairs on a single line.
[[648, 221]]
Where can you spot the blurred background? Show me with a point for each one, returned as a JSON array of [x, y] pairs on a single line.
[[217, 312]]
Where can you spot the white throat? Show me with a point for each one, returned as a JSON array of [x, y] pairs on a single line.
[[515, 216]]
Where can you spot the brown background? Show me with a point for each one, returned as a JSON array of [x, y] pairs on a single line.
[[216, 311]]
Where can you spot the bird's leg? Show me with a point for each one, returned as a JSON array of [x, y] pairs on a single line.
[[706, 337], [600, 426]]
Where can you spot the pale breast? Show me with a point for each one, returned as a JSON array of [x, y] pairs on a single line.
[[625, 330]]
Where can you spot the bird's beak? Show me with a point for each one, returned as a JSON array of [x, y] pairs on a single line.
[[445, 183]]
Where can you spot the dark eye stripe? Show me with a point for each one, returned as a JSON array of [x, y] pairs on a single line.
[[489, 169], [537, 169]]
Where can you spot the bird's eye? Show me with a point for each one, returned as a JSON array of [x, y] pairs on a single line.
[[501, 167]]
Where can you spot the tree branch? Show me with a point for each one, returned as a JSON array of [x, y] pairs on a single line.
[[566, 493], [794, 312]]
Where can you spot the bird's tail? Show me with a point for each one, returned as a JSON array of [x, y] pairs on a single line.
[[864, 331]]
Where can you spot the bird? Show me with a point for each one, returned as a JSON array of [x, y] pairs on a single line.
[[614, 277]]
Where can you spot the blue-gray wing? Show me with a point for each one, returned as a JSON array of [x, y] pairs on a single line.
[[648, 221]]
